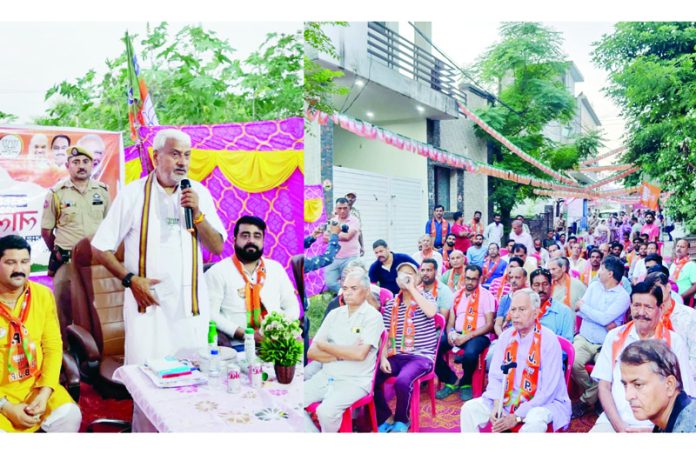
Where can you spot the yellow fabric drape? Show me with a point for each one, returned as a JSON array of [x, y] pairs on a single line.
[[313, 209], [133, 170], [251, 171]]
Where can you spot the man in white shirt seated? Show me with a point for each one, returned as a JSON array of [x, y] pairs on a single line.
[[346, 344], [646, 312], [245, 287]]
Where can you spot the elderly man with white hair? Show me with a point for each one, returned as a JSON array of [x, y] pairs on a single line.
[[166, 305], [425, 242], [521, 236], [346, 344], [38, 146], [533, 391], [95, 145]]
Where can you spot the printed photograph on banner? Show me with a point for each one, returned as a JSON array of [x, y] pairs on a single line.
[[150, 234], [34, 164], [481, 227]]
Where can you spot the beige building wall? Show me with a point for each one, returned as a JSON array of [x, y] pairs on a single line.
[[356, 152], [457, 136]]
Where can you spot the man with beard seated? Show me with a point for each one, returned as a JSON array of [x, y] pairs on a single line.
[[247, 286]]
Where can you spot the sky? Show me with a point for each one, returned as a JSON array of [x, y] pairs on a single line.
[[31, 67], [46, 53], [463, 42]]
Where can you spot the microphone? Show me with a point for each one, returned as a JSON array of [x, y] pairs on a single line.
[[188, 212]]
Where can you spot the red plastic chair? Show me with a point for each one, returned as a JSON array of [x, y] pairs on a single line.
[[429, 378], [368, 400], [569, 350], [478, 378]]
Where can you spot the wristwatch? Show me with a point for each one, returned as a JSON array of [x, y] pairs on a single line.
[[127, 280], [3, 401], [519, 419]]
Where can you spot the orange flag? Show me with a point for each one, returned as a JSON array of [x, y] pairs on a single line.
[[649, 195]]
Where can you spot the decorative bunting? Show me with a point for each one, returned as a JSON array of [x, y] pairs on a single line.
[[372, 132], [510, 146], [618, 176], [605, 155], [617, 168]]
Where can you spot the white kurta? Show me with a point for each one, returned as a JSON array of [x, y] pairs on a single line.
[[162, 330], [226, 288], [605, 370]]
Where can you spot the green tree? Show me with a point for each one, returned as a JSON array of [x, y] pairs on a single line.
[[652, 67], [526, 69], [7, 117], [193, 78], [319, 85]]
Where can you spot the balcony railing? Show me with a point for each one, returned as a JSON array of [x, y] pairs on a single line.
[[412, 61]]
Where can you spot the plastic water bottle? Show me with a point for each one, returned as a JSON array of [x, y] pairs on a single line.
[[249, 345], [214, 363], [213, 349]]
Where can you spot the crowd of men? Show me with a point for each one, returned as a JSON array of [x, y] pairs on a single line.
[[527, 306], [168, 299]]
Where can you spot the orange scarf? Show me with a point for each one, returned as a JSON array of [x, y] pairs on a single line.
[[499, 293], [661, 332], [252, 293], [476, 227], [450, 281], [445, 258], [408, 335], [666, 317], [471, 312], [587, 275], [630, 257], [486, 272], [566, 300], [142, 258], [444, 228], [543, 308], [679, 264], [530, 376], [421, 288], [21, 354]]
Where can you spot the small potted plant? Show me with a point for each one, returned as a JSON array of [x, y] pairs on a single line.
[[281, 345]]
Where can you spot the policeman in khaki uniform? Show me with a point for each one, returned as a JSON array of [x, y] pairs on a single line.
[[73, 210]]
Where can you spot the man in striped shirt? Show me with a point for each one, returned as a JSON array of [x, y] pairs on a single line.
[[410, 350]]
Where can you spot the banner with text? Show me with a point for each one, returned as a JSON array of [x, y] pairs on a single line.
[[32, 160]]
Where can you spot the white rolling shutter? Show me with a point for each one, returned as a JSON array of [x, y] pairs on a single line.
[[390, 208]]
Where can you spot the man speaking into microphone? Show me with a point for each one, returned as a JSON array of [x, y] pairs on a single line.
[[162, 219]]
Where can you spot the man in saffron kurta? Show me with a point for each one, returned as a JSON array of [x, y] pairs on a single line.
[[166, 305], [31, 350], [410, 351], [246, 287], [535, 391]]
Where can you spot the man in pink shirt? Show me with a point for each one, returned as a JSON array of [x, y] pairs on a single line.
[[469, 323], [349, 242], [651, 228]]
